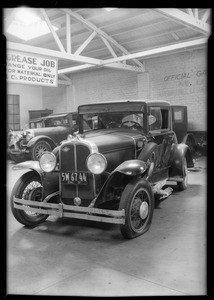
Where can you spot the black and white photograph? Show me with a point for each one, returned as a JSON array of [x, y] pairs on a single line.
[[106, 150]]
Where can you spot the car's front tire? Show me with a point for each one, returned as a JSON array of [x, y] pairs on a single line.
[[39, 148], [137, 200], [28, 187]]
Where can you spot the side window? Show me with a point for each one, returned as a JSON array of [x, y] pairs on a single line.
[[178, 115], [158, 118], [155, 118]]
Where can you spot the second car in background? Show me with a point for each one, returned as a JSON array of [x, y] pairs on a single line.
[[44, 134]]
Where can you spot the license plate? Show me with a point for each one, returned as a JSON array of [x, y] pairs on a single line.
[[75, 177]]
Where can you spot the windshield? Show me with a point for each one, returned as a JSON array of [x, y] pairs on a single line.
[[35, 125], [128, 119], [56, 122]]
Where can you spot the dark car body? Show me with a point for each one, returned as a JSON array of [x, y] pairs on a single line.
[[43, 134], [136, 149], [180, 126]]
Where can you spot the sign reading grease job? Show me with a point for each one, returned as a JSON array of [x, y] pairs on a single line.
[[31, 69]]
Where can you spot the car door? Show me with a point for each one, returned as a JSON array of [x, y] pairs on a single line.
[[161, 133]]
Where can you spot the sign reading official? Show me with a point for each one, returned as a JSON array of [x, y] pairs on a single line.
[[31, 69]]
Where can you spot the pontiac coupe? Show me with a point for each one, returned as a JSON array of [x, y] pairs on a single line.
[[43, 134], [111, 171]]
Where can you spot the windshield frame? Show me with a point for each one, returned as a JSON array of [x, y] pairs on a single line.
[[100, 114]]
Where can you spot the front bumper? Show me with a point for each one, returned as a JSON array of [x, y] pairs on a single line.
[[71, 211], [17, 152]]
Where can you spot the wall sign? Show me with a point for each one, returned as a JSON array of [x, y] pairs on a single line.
[[31, 69]]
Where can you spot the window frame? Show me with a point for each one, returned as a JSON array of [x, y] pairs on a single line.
[[161, 130], [15, 103]]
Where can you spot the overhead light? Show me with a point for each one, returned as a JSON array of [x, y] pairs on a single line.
[[109, 8], [28, 25]]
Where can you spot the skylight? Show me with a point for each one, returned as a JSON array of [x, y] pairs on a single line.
[[27, 25]]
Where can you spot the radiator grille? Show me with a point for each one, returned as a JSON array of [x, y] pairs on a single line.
[[73, 159]]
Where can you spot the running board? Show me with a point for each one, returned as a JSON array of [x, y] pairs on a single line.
[[157, 189], [177, 179]]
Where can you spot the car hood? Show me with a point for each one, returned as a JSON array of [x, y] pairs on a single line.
[[113, 139], [47, 130]]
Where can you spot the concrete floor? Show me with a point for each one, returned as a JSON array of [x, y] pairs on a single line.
[[77, 257]]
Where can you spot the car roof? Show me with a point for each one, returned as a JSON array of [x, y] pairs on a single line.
[[138, 101], [36, 120], [59, 115]]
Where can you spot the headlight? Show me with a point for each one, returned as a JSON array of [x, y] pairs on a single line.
[[15, 138], [29, 135], [96, 163], [47, 162]]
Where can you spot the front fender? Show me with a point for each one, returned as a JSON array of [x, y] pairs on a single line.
[[131, 167], [29, 164], [50, 181], [189, 137], [121, 175], [181, 151], [38, 138]]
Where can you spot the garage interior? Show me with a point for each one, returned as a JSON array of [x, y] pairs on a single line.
[[107, 54]]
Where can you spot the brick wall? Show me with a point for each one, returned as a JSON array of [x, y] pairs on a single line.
[[104, 85], [55, 98], [179, 78]]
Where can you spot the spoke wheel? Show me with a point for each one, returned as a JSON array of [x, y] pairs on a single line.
[[137, 200], [39, 148], [28, 187]]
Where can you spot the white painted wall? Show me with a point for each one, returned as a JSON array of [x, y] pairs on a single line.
[[30, 99]]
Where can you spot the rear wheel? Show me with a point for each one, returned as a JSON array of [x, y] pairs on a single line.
[[28, 187], [39, 148], [138, 202]]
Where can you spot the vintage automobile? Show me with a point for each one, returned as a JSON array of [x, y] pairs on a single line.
[[43, 134], [123, 156]]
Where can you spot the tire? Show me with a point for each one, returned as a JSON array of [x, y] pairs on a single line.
[[137, 200], [39, 148], [191, 147], [28, 187], [184, 184]]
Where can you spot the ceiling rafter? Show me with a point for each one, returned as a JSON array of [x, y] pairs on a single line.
[[68, 33], [56, 38], [100, 32], [85, 43], [114, 65], [186, 19], [109, 47], [206, 16], [53, 53], [164, 49]]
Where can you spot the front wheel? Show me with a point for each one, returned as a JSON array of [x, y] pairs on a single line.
[[28, 187], [39, 148], [137, 200]]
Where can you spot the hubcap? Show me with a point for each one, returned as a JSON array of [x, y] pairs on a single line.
[[139, 210], [144, 209]]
